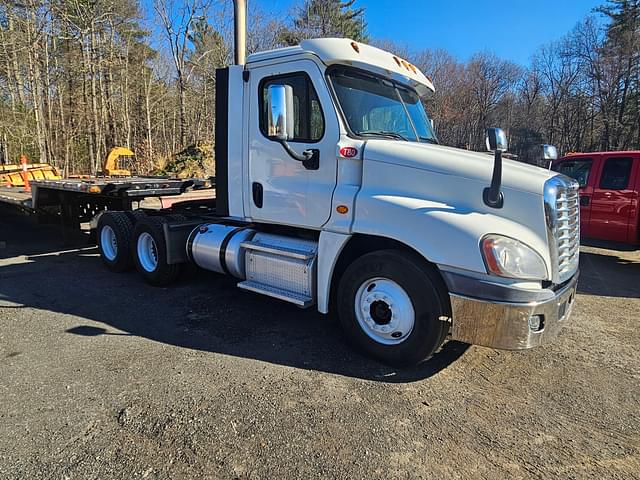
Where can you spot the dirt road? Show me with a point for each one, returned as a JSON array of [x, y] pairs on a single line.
[[103, 377]]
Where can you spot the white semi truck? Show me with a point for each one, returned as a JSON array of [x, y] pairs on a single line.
[[332, 191]]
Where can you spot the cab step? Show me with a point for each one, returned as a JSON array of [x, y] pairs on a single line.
[[279, 293]]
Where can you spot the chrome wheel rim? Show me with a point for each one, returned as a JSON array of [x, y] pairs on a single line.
[[384, 311], [109, 243], [147, 252]]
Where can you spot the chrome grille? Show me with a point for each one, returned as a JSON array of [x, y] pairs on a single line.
[[563, 222]]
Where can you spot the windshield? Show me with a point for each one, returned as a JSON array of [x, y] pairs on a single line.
[[378, 107]]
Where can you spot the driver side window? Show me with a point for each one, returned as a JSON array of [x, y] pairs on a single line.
[[308, 116]]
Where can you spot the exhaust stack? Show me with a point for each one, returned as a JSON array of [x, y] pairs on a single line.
[[240, 31]]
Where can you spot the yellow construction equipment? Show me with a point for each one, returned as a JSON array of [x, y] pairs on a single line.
[[112, 166], [11, 174]]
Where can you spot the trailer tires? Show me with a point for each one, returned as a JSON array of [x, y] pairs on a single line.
[[136, 215], [114, 241], [394, 306], [150, 252]]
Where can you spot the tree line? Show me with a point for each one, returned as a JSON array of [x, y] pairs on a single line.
[[78, 77]]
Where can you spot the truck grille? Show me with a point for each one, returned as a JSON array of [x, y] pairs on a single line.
[[562, 208]]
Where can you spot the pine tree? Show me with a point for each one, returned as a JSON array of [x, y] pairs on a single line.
[[624, 27], [326, 18]]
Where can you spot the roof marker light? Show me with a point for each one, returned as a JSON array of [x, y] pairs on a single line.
[[355, 46]]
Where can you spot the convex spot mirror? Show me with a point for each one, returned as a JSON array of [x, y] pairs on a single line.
[[496, 140], [280, 120], [549, 152]]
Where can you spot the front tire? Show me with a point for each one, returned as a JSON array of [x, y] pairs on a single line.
[[393, 305], [150, 252]]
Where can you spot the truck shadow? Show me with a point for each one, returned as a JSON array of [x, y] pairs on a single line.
[[203, 311], [608, 274], [594, 242], [20, 234]]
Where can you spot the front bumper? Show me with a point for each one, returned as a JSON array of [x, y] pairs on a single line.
[[506, 325]]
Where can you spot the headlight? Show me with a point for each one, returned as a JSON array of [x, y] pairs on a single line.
[[507, 257]]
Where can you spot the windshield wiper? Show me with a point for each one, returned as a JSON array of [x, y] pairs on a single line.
[[383, 133], [430, 140]]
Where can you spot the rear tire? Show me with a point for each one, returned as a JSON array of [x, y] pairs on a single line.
[[136, 215], [392, 305], [113, 236], [150, 252]]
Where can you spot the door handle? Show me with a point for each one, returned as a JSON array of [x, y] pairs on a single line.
[[256, 189], [584, 200]]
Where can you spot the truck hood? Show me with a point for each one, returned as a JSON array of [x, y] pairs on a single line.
[[457, 162], [430, 198]]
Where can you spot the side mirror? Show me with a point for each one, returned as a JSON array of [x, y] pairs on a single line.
[[280, 119], [496, 140], [549, 152]]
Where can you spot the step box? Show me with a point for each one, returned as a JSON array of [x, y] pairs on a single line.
[[281, 267]]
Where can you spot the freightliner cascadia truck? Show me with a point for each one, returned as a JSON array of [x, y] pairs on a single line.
[[333, 192]]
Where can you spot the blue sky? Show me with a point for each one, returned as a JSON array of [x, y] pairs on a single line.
[[512, 29]]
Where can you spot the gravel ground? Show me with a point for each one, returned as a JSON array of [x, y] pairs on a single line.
[[104, 377]]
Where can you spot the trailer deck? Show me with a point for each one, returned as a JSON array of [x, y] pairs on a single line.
[[76, 201], [15, 196]]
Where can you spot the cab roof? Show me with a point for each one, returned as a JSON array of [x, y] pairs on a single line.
[[343, 51]]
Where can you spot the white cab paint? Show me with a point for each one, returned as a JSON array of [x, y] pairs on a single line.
[[292, 194], [329, 248], [237, 157], [348, 186], [333, 51], [430, 199]]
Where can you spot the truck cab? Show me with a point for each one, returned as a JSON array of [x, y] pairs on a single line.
[[609, 190], [333, 192]]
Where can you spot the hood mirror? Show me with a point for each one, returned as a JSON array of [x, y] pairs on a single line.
[[496, 140], [549, 152], [497, 143]]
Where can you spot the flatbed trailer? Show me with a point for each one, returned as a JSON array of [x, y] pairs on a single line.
[[76, 201]]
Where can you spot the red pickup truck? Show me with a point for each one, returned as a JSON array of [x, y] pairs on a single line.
[[609, 186]]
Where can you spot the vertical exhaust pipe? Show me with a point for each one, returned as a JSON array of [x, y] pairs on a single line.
[[240, 27]]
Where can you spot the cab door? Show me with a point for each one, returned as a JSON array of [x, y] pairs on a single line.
[[614, 198], [282, 189]]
